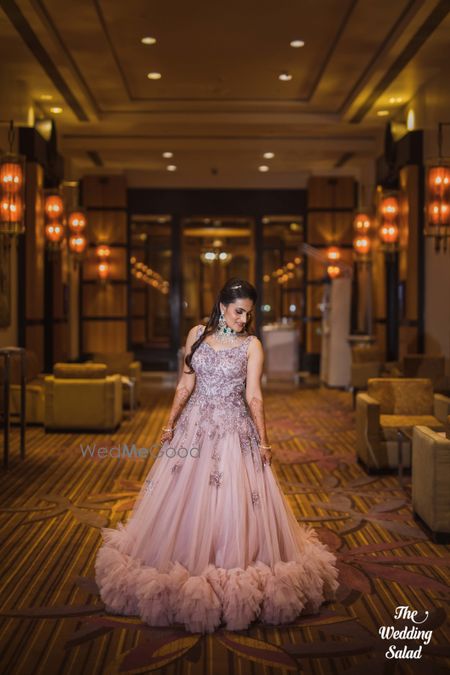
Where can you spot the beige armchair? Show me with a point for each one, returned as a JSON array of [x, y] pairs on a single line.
[[431, 480], [82, 397], [122, 363], [391, 404]]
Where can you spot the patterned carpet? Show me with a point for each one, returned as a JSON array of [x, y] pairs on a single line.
[[52, 506]]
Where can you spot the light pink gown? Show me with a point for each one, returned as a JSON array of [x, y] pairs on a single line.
[[212, 539]]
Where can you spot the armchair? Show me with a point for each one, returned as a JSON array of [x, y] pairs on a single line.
[[431, 480], [390, 404], [82, 397], [122, 363]]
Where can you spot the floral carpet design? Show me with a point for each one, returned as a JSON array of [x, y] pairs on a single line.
[[53, 505]]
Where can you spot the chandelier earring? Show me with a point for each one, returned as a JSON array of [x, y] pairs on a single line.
[[222, 323]]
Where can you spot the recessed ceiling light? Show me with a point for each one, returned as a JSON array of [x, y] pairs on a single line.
[[171, 167], [285, 77], [148, 41], [154, 76], [263, 168], [56, 110], [297, 43], [382, 113], [167, 155], [269, 155], [46, 97], [395, 99]]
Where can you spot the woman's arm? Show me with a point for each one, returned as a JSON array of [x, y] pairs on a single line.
[[183, 390], [253, 395]]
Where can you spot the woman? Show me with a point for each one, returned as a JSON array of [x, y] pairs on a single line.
[[212, 539]]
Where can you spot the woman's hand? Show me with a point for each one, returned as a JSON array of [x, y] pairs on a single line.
[[166, 435], [266, 454]]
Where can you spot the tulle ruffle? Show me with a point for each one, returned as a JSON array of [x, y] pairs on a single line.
[[233, 597]]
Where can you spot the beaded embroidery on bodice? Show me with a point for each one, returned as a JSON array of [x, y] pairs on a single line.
[[219, 390]]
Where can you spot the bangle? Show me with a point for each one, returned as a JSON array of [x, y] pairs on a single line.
[[265, 447], [167, 428]]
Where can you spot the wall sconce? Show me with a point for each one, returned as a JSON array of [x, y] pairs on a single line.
[[77, 223], [437, 214], [333, 257], [12, 183], [362, 244], [77, 220], [103, 254], [388, 232], [54, 220]]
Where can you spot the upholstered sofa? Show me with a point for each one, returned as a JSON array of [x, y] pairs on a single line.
[[35, 389], [122, 363], [431, 479], [391, 404], [82, 397]]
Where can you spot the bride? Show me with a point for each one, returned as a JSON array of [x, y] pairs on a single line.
[[212, 540]]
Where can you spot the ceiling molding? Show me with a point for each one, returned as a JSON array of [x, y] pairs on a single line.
[[415, 43], [33, 43]]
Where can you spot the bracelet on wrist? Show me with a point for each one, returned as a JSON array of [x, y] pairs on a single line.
[[265, 447], [167, 428]]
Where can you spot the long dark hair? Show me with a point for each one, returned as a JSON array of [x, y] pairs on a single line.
[[234, 289]]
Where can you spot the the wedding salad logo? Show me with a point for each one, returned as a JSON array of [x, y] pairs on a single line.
[[404, 639]]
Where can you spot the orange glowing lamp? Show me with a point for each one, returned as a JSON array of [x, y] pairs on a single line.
[[333, 253], [361, 223], [389, 208], [361, 244], [11, 176], [54, 207], [54, 233], [77, 243], [333, 271], [389, 233], [77, 221]]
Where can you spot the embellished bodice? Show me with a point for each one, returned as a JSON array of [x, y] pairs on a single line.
[[220, 373], [219, 391]]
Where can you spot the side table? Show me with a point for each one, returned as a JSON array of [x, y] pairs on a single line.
[[7, 353]]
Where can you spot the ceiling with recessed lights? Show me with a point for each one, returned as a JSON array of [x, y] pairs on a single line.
[[202, 94]]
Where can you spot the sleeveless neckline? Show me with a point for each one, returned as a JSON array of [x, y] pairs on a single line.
[[228, 349]]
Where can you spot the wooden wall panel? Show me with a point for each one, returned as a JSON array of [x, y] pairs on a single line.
[[107, 227], [118, 261], [138, 330], [34, 243], [322, 195], [34, 340], [328, 229], [104, 336], [104, 191], [104, 300], [105, 198]]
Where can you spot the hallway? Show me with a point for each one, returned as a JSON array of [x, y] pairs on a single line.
[[53, 505]]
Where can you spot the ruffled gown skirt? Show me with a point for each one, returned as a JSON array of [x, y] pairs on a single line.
[[212, 540]]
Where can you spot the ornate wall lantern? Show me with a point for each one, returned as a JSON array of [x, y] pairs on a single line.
[[103, 254], [77, 223], [389, 209], [333, 256], [12, 183], [437, 214], [54, 220]]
